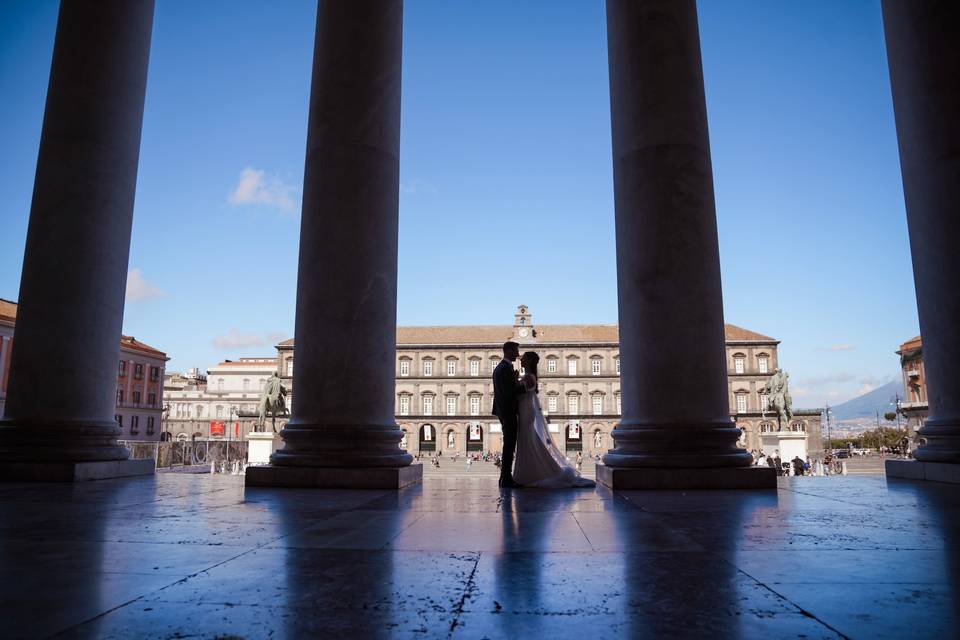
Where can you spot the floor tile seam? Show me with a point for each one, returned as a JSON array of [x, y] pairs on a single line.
[[586, 537], [144, 595], [386, 545], [801, 610], [469, 588], [832, 499]]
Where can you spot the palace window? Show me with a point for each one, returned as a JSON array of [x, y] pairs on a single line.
[[798, 427], [119, 419], [246, 384], [573, 404], [154, 373], [138, 371], [220, 385], [767, 427], [451, 367], [404, 368], [136, 397], [152, 399], [428, 367], [764, 402], [428, 405], [597, 405], [122, 371], [119, 396], [552, 404], [134, 424], [738, 364], [741, 403], [474, 405], [290, 367], [618, 405], [617, 363], [474, 367], [219, 411], [404, 405], [572, 366], [150, 425], [762, 364], [552, 365], [493, 364], [451, 406], [595, 366]]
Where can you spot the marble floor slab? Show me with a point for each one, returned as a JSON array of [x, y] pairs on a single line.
[[200, 556]]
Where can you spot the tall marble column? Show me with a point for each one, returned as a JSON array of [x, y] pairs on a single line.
[[343, 431], [924, 59], [675, 410], [63, 379]]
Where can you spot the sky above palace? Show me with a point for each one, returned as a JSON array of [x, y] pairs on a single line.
[[506, 192]]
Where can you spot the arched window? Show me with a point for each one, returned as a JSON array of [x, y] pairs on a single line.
[[767, 427], [741, 401], [246, 384], [551, 364], [798, 426], [573, 403], [572, 365]]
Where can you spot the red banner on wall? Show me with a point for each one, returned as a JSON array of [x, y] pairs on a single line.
[[216, 428]]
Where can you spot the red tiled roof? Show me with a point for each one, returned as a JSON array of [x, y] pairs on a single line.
[[131, 343]]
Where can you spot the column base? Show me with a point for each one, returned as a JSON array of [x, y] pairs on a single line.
[[928, 471], [74, 471], [335, 477], [625, 478]]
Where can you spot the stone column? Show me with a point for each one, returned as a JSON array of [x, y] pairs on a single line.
[[62, 392], [343, 431], [924, 59], [673, 370]]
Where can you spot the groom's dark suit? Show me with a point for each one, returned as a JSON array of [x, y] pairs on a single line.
[[506, 406]]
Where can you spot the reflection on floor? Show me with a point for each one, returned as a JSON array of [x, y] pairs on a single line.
[[199, 556]]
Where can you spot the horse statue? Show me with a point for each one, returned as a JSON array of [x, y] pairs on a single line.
[[272, 402], [778, 392]]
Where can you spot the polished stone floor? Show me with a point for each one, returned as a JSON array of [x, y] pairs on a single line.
[[200, 556]]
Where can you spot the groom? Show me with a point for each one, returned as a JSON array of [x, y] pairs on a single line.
[[506, 391]]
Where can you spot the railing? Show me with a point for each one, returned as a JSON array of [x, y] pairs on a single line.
[[172, 455]]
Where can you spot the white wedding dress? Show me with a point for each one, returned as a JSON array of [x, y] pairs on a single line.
[[538, 462]]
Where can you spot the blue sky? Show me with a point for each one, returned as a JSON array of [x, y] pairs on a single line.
[[505, 149]]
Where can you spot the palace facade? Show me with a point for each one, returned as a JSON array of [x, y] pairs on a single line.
[[444, 391]]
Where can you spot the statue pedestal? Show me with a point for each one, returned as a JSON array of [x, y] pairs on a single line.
[[260, 447], [790, 444]]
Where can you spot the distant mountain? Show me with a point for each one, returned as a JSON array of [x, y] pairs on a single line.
[[866, 406]]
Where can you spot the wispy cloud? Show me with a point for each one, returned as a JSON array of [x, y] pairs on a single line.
[[843, 346], [255, 187], [235, 339], [834, 378], [138, 288]]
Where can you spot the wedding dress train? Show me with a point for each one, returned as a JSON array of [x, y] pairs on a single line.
[[538, 462]]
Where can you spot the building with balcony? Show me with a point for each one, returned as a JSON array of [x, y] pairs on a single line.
[[224, 403], [140, 373], [914, 407]]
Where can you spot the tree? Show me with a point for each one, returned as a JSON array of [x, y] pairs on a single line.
[[890, 415]]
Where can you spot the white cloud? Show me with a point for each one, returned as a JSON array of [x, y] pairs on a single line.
[[138, 288], [236, 340], [256, 188]]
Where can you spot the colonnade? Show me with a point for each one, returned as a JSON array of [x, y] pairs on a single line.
[[343, 432]]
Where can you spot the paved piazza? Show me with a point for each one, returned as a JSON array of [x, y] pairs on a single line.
[[183, 555]]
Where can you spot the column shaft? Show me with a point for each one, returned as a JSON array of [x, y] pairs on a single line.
[[345, 335], [668, 265], [62, 391], [924, 60]]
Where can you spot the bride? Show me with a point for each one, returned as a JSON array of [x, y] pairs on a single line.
[[539, 464]]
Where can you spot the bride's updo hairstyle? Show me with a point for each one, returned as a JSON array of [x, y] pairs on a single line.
[[530, 360]]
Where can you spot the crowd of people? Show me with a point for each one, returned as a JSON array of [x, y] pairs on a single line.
[[827, 466], [486, 456]]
